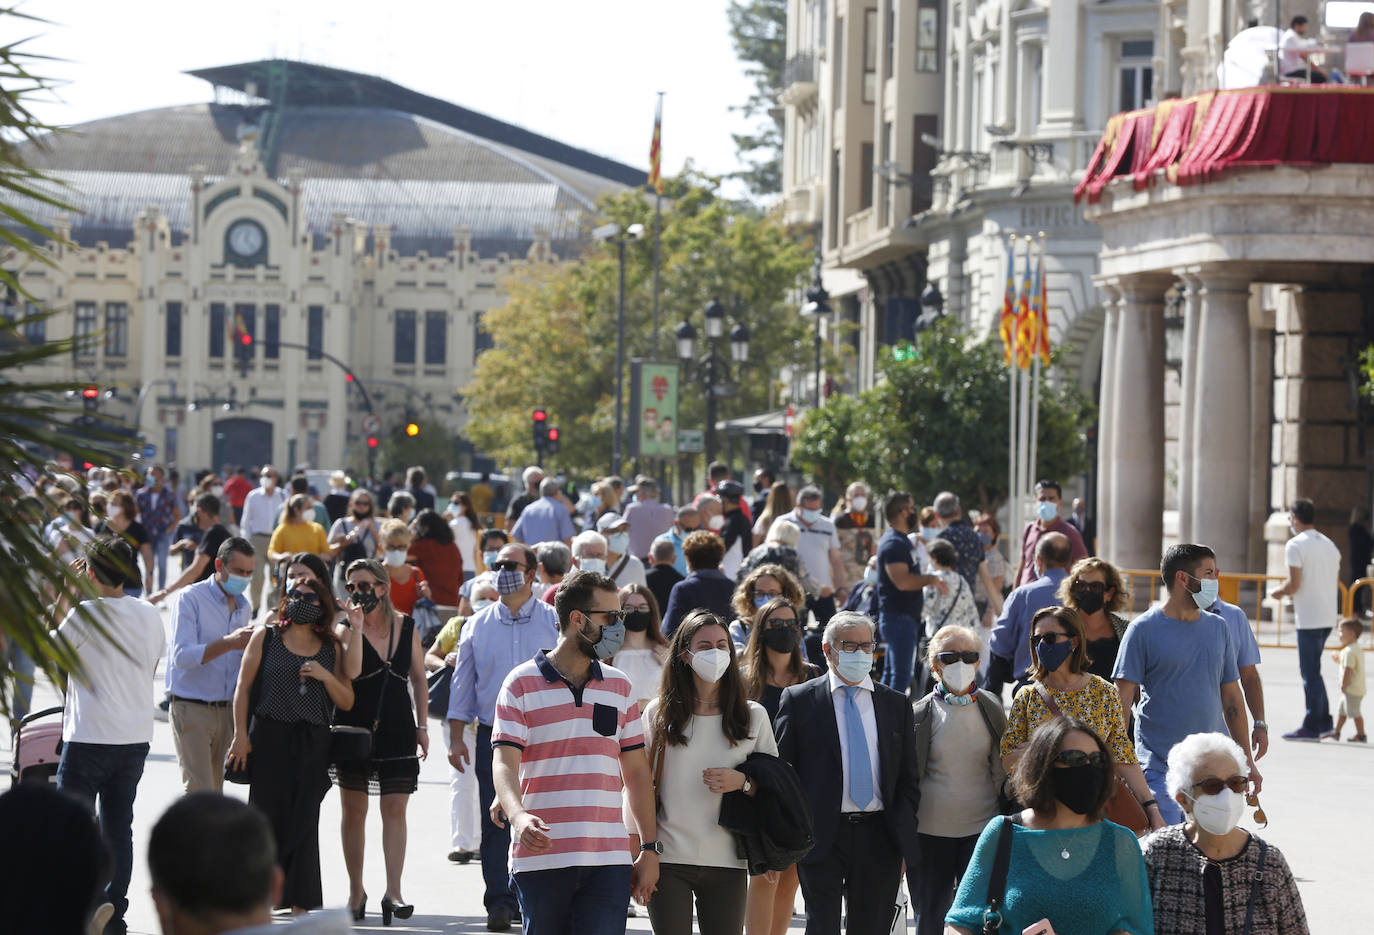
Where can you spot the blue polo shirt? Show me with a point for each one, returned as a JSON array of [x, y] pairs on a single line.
[[894, 548], [1011, 632]]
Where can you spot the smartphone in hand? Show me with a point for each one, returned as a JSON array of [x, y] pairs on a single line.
[[1042, 927]]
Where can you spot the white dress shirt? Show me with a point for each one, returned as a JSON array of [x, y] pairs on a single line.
[[260, 512], [863, 699]]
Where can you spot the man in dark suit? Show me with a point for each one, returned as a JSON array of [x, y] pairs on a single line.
[[661, 577], [853, 744]]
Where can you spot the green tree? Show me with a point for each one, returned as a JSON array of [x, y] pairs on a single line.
[[758, 29], [939, 421], [555, 338]]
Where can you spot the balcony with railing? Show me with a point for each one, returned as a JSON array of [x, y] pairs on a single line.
[[799, 78]]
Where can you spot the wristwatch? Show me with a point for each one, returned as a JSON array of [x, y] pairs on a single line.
[[1260, 725], [655, 846], [748, 786]]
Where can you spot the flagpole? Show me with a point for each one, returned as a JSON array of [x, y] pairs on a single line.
[[1023, 423], [658, 227], [1013, 480], [1042, 320]]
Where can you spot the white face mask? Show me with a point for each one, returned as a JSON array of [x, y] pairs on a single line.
[[114, 512], [217, 490], [711, 664], [395, 557], [858, 504], [594, 565], [958, 676], [1219, 813], [715, 523], [266, 483]]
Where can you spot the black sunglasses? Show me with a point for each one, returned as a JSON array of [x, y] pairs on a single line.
[[1079, 758], [507, 565], [1050, 638], [1213, 786], [310, 597], [362, 587], [615, 616], [950, 658], [1097, 587], [779, 623]]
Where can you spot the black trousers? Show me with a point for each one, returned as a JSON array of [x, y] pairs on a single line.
[[863, 868], [290, 779], [933, 879]]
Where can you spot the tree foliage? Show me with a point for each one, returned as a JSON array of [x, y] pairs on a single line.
[[555, 338], [939, 421], [758, 29]]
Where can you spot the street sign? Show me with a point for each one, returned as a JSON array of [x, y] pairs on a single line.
[[149, 452], [690, 441], [372, 423]]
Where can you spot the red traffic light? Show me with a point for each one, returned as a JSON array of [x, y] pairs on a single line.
[[90, 392], [539, 415], [372, 441], [348, 377], [246, 339], [553, 434]]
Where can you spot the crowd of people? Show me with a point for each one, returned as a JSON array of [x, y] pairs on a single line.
[[698, 709]]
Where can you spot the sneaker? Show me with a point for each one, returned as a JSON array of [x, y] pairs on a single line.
[[1358, 738], [460, 857], [631, 912], [1331, 735], [1302, 733]]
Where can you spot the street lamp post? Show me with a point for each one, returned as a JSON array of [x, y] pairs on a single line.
[[712, 366], [817, 306], [608, 233]]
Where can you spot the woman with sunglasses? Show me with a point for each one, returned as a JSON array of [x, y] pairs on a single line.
[[393, 673], [700, 727], [292, 676], [1062, 684], [959, 763], [1093, 588], [304, 567], [765, 583], [1203, 872], [773, 660], [1071, 872]]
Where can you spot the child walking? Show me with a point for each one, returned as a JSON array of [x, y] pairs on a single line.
[[1351, 659]]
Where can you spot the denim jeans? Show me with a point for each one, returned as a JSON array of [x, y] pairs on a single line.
[[1310, 643], [161, 543], [1169, 809], [110, 772], [495, 840], [898, 633], [574, 900], [934, 878], [21, 665]]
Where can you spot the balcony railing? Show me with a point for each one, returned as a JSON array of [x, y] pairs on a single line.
[[799, 69]]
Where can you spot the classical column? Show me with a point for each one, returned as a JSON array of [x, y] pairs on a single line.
[[1137, 493], [1188, 287], [1106, 412], [1221, 443]]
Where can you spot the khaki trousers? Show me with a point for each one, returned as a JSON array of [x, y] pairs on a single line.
[[201, 735], [260, 571]]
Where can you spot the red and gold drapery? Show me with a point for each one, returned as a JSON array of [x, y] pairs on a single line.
[[1194, 140]]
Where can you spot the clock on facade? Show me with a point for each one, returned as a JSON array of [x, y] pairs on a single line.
[[245, 243]]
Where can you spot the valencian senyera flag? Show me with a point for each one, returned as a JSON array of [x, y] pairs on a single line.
[[1007, 325], [656, 151], [1025, 322]]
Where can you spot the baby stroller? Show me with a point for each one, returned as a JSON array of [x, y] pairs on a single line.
[[36, 744]]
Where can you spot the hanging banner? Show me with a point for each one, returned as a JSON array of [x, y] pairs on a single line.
[[653, 409]]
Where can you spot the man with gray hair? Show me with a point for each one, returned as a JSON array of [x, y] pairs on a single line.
[[546, 519], [663, 573], [555, 559], [532, 476], [646, 517], [819, 548], [688, 522], [864, 797]]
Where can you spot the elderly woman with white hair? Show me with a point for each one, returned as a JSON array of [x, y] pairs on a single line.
[[1207, 875], [780, 548]]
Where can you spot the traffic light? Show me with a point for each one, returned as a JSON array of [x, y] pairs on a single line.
[[372, 441], [552, 445], [412, 429], [243, 343], [540, 420], [90, 397]]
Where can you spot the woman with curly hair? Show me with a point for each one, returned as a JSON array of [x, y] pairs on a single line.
[[763, 584], [1093, 588]]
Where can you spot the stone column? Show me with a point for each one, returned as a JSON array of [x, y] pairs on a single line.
[[1137, 492], [1221, 446], [1106, 417], [1189, 288]]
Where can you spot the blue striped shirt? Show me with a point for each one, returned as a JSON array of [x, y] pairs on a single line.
[[493, 642], [200, 616]]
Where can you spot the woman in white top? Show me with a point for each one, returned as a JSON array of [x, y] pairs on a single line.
[[462, 519], [702, 726], [989, 530], [645, 650]]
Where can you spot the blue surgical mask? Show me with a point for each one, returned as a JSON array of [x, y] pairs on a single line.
[[237, 584], [619, 543], [760, 600], [1206, 596], [1052, 655], [930, 533], [870, 576], [489, 558], [612, 638], [594, 565], [1047, 511], [985, 539], [810, 516], [855, 666], [481, 604]]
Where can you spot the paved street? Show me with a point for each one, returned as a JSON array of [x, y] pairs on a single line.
[[1313, 796]]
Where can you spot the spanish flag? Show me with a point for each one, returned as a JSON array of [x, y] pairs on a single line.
[[1025, 321], [1042, 298], [1007, 325], [656, 150]]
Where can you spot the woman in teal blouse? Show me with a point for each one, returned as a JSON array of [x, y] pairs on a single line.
[[1070, 868]]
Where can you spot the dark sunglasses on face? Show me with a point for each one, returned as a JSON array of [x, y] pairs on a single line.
[[1079, 758], [1213, 786], [950, 658], [779, 623], [1097, 587], [362, 587], [1050, 638], [612, 616], [507, 565], [310, 597]]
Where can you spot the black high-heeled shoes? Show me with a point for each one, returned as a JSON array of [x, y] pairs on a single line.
[[360, 910], [399, 910]]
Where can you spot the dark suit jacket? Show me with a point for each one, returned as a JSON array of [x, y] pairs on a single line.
[[809, 739], [707, 589], [660, 580]]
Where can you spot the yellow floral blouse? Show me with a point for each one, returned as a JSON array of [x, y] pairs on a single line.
[[1097, 704]]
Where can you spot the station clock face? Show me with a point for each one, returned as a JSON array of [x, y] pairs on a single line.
[[245, 243]]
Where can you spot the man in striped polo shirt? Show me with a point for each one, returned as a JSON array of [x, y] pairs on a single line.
[[567, 733]]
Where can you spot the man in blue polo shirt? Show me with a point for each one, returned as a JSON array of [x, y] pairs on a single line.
[[899, 592], [546, 519], [1011, 633]]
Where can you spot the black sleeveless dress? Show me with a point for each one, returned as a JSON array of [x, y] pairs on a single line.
[[394, 766]]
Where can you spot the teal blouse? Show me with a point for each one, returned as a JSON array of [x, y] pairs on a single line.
[[1086, 881]]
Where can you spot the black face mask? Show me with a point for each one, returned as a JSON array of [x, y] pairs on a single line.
[[1078, 787], [305, 613], [758, 488], [367, 600], [1089, 602], [781, 639], [363, 514], [637, 621]]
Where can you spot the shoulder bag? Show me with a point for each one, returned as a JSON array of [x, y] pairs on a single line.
[[1006, 801], [349, 743], [997, 882], [657, 750], [1255, 888], [1122, 807]]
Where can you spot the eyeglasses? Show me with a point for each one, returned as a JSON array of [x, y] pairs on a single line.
[[779, 623], [849, 646], [615, 616], [1050, 638], [362, 587], [507, 565], [1073, 758], [1097, 587], [950, 658], [1213, 786], [771, 595], [310, 597], [636, 608]]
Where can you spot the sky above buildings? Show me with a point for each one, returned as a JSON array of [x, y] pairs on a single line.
[[582, 72]]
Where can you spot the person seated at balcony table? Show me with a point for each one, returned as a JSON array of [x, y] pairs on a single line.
[[1295, 49]]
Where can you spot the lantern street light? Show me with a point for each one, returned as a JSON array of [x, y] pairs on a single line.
[[712, 367]]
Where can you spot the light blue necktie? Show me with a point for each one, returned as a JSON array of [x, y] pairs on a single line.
[[860, 769]]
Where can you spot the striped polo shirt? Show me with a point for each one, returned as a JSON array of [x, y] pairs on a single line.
[[571, 741]]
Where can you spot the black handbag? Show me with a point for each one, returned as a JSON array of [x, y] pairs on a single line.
[[352, 744], [440, 684]]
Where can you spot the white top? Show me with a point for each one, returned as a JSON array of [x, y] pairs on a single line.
[[734, 557], [643, 668], [958, 791], [814, 545], [1315, 603], [466, 539], [687, 822], [864, 700], [260, 511], [632, 573], [1289, 60], [115, 704], [919, 555]]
